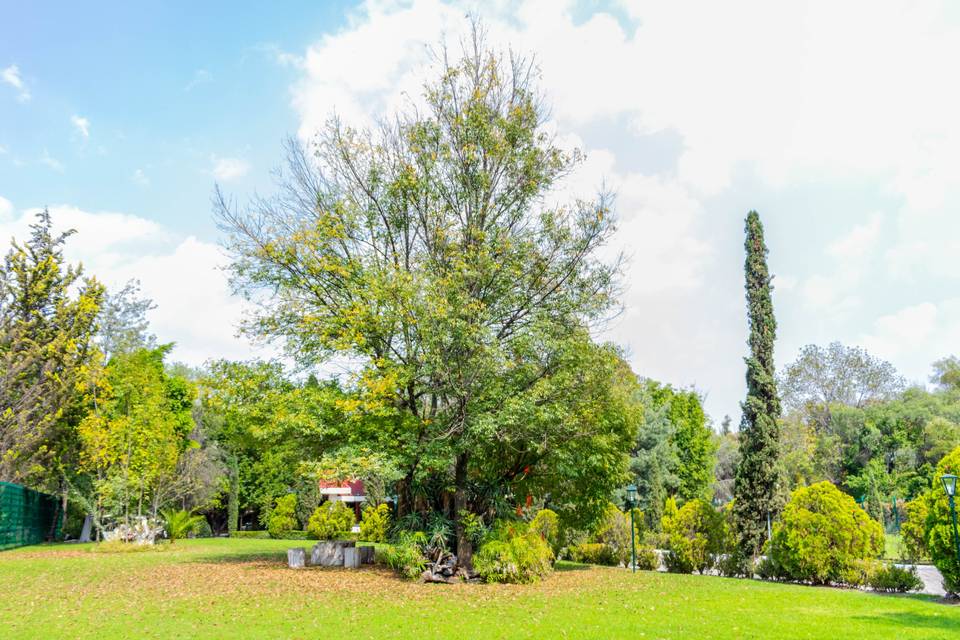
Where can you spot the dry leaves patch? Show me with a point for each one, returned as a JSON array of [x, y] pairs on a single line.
[[261, 578]]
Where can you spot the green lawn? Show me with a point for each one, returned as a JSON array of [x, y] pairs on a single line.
[[242, 589]]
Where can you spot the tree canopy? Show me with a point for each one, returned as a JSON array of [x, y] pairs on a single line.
[[428, 253]]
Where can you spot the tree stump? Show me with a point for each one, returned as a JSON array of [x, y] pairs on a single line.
[[297, 558], [351, 558], [366, 555]]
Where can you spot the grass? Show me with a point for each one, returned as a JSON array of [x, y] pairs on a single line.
[[223, 588]]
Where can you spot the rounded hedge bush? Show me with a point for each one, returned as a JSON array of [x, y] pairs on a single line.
[[823, 537], [375, 523], [694, 536], [894, 579], [332, 519], [594, 553], [283, 517]]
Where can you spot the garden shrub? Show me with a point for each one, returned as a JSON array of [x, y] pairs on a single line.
[[513, 553], [593, 553], [614, 531], [405, 555], [939, 530], [375, 523], [647, 558], [913, 530], [731, 561], [182, 523], [894, 579], [860, 571], [767, 569], [547, 524], [821, 536], [203, 529], [330, 520], [694, 534], [283, 518]]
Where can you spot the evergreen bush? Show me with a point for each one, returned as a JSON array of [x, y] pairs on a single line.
[[283, 518], [594, 553], [694, 535], [375, 523], [894, 579], [332, 519], [823, 536]]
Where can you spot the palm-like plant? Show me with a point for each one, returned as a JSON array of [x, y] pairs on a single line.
[[180, 523]]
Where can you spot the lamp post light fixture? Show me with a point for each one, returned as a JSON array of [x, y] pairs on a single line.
[[632, 501], [950, 487]]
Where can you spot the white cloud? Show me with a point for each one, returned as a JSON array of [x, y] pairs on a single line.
[[82, 124], [50, 161], [784, 102], [226, 169], [281, 57], [859, 242], [11, 75], [915, 336], [6, 209], [140, 178], [200, 77], [850, 256], [3, 149], [183, 275]]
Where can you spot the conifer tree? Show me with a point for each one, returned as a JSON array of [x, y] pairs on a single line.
[[756, 490], [48, 313]]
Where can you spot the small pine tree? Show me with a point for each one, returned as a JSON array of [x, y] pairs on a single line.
[[756, 494]]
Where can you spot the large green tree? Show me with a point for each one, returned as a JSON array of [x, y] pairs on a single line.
[[133, 438], [756, 491], [277, 434], [836, 374], [429, 254], [48, 314], [691, 436]]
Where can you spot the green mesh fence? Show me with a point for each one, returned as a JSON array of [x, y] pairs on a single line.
[[26, 516]]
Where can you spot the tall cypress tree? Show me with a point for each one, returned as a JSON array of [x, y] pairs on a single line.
[[756, 492]]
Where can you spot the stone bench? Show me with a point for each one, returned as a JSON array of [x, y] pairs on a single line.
[[331, 553]]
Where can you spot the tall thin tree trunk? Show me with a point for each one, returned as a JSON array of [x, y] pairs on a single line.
[[464, 544]]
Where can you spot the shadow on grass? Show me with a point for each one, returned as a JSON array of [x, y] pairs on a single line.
[[566, 565], [915, 621]]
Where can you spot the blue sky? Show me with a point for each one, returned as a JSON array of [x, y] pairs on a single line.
[[836, 121], [167, 88]]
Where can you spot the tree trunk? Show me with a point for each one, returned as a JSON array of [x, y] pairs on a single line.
[[233, 497], [464, 544], [405, 496], [61, 517]]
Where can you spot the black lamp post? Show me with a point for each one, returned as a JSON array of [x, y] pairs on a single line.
[[632, 501], [950, 486]]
